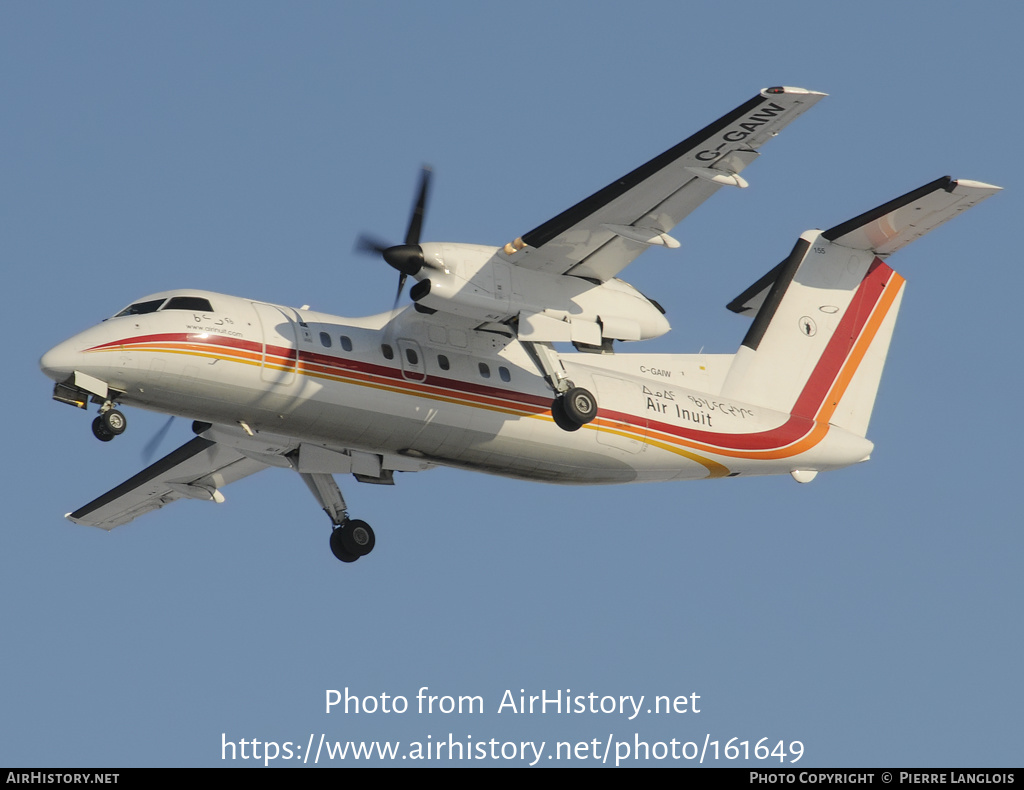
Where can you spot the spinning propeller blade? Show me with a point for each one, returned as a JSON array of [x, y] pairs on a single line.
[[151, 446], [407, 258]]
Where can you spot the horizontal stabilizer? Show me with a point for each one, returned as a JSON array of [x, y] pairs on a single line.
[[750, 301], [887, 228], [890, 227]]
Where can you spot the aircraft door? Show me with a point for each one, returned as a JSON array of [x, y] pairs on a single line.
[[280, 352], [412, 360]]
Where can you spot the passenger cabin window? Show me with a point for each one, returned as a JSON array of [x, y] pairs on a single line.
[[189, 303], [505, 375], [346, 342], [141, 308], [484, 370], [412, 356], [387, 351], [442, 362], [325, 340]]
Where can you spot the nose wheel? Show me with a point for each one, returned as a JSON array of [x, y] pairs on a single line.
[[108, 424]]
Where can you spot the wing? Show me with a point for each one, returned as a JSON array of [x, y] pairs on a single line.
[[196, 470], [601, 235]]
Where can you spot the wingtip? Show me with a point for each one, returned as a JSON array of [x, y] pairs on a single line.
[[965, 182], [776, 90]]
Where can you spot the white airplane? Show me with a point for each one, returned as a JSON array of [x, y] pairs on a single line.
[[469, 376]]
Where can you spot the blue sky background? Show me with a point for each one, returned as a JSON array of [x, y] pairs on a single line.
[[873, 615]]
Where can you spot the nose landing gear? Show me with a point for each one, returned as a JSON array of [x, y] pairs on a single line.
[[108, 424]]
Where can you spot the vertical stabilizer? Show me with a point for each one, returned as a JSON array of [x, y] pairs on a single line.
[[824, 317]]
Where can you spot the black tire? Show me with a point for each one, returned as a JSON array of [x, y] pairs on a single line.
[[338, 547], [100, 431], [114, 422], [580, 405], [560, 418], [357, 537]]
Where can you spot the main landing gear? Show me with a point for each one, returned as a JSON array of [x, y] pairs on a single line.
[[573, 407], [109, 423], [350, 538]]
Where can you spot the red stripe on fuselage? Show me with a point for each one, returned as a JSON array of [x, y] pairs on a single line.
[[333, 366]]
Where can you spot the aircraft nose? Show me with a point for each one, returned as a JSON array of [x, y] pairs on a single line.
[[59, 362]]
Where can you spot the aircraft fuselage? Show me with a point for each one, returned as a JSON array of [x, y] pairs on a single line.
[[414, 391]]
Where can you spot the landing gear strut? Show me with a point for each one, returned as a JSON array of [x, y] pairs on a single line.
[[350, 538], [573, 407]]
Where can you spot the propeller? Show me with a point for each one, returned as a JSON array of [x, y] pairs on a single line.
[[151, 446], [407, 258]]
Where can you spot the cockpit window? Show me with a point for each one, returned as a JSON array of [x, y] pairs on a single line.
[[141, 308], [189, 303]]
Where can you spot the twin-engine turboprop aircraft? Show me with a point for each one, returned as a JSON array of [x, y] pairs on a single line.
[[470, 375]]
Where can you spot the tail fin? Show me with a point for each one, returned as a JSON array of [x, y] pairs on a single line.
[[825, 315]]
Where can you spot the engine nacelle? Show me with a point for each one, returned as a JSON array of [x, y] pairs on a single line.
[[473, 281]]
